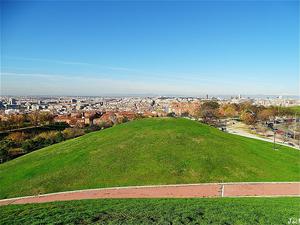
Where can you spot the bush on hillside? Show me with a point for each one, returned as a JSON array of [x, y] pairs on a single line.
[[17, 136], [42, 140], [92, 128], [171, 114], [72, 132], [5, 145]]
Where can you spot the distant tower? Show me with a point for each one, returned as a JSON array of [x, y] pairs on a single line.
[[206, 96]]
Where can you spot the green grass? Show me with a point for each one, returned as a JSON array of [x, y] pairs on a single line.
[[295, 109], [148, 151], [223, 211]]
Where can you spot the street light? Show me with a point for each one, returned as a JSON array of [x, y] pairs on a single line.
[[274, 130], [274, 139]]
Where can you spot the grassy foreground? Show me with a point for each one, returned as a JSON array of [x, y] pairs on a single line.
[[148, 151], [159, 211]]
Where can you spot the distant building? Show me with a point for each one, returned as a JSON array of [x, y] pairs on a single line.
[[11, 111], [2, 105], [12, 101], [35, 107]]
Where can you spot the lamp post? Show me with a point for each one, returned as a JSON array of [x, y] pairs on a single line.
[[274, 130], [274, 139]]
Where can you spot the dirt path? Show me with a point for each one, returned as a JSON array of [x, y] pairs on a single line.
[[170, 191]]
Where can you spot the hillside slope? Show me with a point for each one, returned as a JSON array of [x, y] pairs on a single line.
[[148, 151]]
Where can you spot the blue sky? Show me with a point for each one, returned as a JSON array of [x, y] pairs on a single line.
[[158, 47]]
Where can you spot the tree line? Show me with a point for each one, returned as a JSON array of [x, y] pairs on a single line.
[[248, 113], [15, 121]]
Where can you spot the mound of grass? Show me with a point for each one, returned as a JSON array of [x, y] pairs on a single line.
[[148, 151], [156, 211]]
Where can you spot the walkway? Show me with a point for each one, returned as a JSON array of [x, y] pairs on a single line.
[[269, 189]]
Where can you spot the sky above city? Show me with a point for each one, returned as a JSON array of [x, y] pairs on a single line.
[[149, 47]]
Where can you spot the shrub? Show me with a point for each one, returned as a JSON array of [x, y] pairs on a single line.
[[59, 137], [72, 132], [17, 136], [5, 145], [28, 145], [171, 114]]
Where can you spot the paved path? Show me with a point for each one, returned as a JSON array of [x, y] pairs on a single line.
[[249, 135], [20, 129], [271, 189]]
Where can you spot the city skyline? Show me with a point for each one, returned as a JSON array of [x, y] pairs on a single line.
[[155, 48]]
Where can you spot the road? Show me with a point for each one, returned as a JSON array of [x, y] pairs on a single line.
[[244, 189]]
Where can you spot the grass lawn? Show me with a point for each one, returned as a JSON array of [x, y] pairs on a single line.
[[159, 211], [144, 152], [296, 109]]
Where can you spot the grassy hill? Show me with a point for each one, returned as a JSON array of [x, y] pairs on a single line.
[[148, 151]]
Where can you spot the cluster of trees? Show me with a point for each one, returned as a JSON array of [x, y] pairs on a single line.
[[36, 118], [20, 143], [211, 111]]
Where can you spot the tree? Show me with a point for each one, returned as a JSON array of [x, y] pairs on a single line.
[[265, 114], [46, 118], [209, 111], [15, 120], [247, 105], [18, 119], [248, 118], [34, 118], [229, 110], [210, 105]]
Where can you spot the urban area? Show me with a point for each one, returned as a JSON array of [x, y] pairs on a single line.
[[31, 123]]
